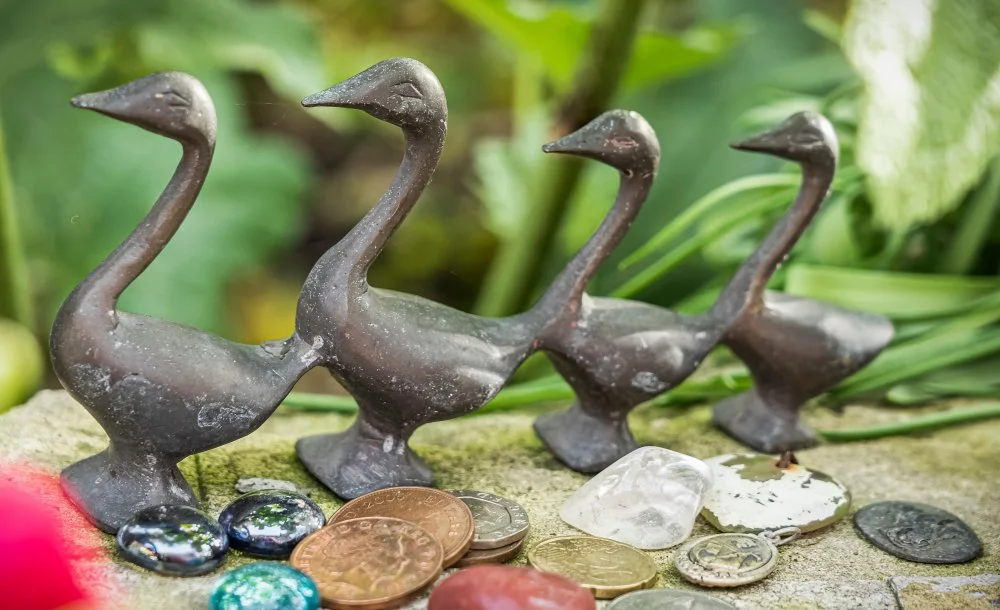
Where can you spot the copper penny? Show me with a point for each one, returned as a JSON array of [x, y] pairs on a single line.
[[499, 555], [371, 563], [443, 515]]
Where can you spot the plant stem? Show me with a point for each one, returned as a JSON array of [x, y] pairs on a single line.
[[975, 225], [916, 424], [15, 298], [519, 265]]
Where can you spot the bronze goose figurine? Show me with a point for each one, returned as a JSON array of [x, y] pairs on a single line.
[[617, 354], [161, 391], [406, 360], [795, 348]]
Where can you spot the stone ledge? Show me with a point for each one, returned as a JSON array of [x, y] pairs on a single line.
[[954, 469]]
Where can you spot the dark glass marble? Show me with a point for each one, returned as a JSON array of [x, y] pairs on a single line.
[[173, 540], [265, 586], [270, 523]]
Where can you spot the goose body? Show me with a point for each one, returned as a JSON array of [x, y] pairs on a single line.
[[796, 349], [618, 354], [406, 360], [162, 391]]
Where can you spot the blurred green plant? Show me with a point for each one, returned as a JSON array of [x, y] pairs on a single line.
[[20, 355], [84, 181], [905, 232]]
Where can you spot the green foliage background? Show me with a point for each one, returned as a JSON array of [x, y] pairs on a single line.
[[911, 230]]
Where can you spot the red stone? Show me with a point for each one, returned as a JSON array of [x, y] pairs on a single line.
[[486, 587]]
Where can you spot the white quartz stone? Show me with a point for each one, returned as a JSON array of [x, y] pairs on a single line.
[[648, 499]]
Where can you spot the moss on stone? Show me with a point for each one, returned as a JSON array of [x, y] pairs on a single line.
[[953, 469]]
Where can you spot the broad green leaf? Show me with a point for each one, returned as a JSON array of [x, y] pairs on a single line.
[[901, 296], [557, 37], [930, 119]]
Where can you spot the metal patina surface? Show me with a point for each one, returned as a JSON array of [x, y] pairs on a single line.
[[406, 360], [617, 354], [162, 391], [731, 560], [668, 599], [918, 532]]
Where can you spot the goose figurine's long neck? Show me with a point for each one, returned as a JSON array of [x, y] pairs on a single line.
[[367, 239], [745, 291], [105, 284], [564, 296]]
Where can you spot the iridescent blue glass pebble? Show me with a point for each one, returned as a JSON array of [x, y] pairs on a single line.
[[265, 586], [270, 523], [173, 540]]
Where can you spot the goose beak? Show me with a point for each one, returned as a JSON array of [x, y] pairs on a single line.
[[112, 102], [575, 143], [351, 93], [771, 142]]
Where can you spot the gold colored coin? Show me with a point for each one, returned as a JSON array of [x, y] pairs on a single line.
[[498, 555], [606, 567], [371, 563], [443, 515]]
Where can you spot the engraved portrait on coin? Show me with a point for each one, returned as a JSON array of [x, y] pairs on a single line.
[[918, 532], [369, 562], [498, 521]]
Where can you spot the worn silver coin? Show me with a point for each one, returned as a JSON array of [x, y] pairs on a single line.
[[731, 560], [498, 521], [668, 599]]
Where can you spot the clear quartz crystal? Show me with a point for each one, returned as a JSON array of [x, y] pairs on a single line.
[[649, 499]]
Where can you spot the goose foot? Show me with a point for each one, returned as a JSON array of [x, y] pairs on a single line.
[[584, 442], [110, 487], [761, 426], [361, 460]]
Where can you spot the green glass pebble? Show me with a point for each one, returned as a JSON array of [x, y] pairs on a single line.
[[265, 586]]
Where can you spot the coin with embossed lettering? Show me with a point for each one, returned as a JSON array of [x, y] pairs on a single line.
[[668, 599], [369, 563], [606, 567], [443, 515], [918, 532], [726, 560], [500, 555], [499, 522]]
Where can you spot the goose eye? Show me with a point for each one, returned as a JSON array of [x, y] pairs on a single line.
[[174, 99], [407, 90]]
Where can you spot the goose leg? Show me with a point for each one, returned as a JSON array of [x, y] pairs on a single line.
[[767, 426], [586, 441], [110, 487], [362, 459]]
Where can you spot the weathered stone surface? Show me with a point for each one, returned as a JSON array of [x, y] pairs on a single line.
[[947, 592], [832, 568], [648, 498], [506, 587]]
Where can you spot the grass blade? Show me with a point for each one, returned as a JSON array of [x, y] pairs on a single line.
[[695, 243], [901, 296], [916, 424], [694, 212]]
